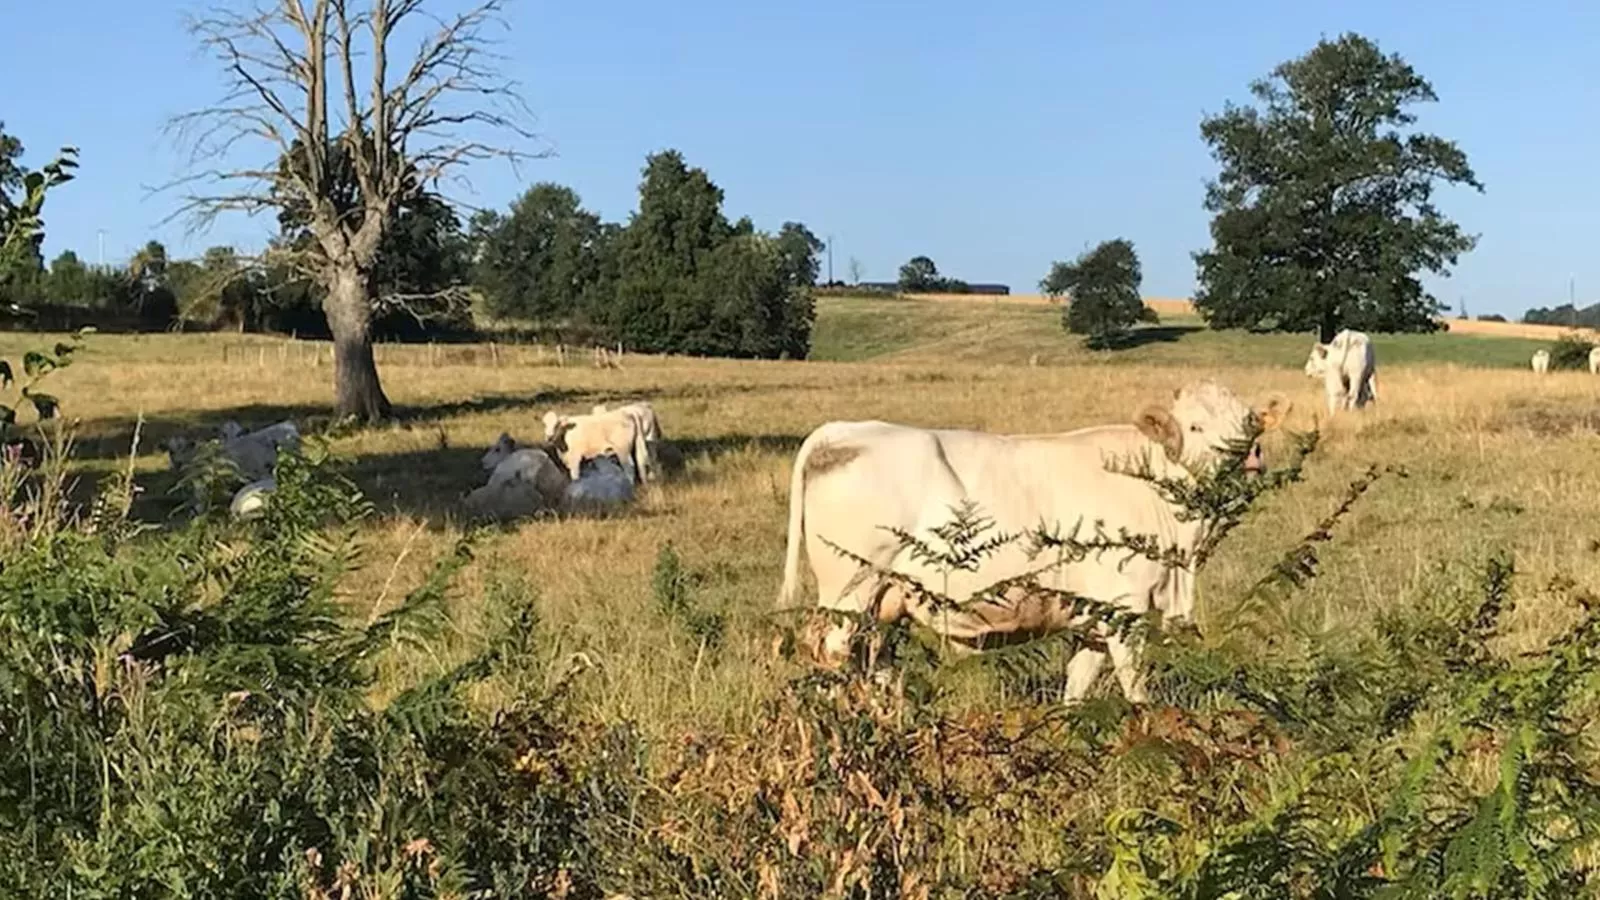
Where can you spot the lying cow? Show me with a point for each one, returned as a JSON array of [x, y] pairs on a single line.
[[853, 480], [581, 437], [1348, 368], [523, 481], [602, 485], [250, 499], [254, 453]]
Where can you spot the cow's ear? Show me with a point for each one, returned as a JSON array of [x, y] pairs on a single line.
[[1322, 350], [1274, 411], [1157, 424]]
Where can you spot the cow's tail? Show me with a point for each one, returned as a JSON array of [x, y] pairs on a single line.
[[797, 514]]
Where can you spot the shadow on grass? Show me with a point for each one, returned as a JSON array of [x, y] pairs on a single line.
[[1154, 334]]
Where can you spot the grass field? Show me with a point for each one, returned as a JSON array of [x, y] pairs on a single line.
[[1496, 456]]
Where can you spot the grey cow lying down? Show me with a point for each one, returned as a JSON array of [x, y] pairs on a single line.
[[529, 479]]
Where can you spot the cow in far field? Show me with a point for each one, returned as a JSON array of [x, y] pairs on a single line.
[[1348, 368], [1541, 361]]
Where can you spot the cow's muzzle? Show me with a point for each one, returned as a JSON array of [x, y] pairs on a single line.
[[1253, 463]]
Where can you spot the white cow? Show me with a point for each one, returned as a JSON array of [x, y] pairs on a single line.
[[253, 452], [581, 437], [651, 445], [1594, 360], [1541, 361], [1348, 368], [852, 480], [523, 481], [248, 500]]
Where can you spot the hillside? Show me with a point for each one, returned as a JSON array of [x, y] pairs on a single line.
[[1011, 330]]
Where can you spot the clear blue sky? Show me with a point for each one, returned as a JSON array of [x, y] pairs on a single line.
[[993, 137]]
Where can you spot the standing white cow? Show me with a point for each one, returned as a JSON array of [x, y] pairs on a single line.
[[1541, 361], [581, 437], [1594, 361], [853, 480], [1348, 368], [648, 443]]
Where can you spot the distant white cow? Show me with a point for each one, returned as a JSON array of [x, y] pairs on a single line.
[[1348, 368], [580, 437], [1541, 361], [854, 480], [1594, 360]]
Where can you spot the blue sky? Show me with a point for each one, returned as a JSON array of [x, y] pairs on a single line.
[[991, 137]]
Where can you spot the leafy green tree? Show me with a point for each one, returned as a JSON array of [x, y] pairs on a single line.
[[655, 306], [10, 151], [542, 260], [1103, 290], [1323, 207], [919, 275], [21, 219], [70, 281], [800, 251], [687, 281]]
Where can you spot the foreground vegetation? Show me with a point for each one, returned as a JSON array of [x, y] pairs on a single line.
[[345, 696]]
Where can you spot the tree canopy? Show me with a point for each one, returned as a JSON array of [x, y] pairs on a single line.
[[544, 258], [1324, 213], [1103, 290]]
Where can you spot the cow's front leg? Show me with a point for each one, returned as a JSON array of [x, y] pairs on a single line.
[[1082, 670], [1126, 664]]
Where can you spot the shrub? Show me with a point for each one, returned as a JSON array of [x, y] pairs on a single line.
[[1570, 351]]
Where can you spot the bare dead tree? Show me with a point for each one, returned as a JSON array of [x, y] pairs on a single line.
[[311, 82]]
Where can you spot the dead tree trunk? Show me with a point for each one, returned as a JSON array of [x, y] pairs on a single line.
[[357, 391]]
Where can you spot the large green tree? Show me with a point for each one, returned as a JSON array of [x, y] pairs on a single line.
[[542, 260], [22, 195], [688, 281], [1324, 213], [1102, 287]]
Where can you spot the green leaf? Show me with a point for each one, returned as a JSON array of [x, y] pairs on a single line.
[[44, 404], [6, 378], [36, 363], [8, 415], [64, 350]]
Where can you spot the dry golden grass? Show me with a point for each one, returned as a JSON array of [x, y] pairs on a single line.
[[1496, 457]]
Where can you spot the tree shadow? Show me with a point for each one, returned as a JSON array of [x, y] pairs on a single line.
[[1153, 334]]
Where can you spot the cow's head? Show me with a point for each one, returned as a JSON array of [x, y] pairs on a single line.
[[1317, 362], [230, 430], [503, 447], [180, 450], [554, 423], [1204, 420]]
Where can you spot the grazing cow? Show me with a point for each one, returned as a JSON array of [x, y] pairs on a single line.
[[602, 484], [649, 442], [1348, 369], [523, 481], [580, 437], [248, 500], [1594, 360], [853, 480], [253, 452], [1541, 361]]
